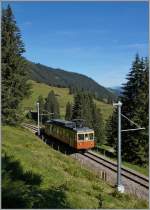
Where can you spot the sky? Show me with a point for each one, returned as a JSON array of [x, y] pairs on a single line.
[[98, 39]]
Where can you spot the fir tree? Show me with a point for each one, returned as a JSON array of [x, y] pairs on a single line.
[[135, 106], [77, 107], [98, 125], [68, 115], [85, 108], [109, 131], [14, 78], [52, 105]]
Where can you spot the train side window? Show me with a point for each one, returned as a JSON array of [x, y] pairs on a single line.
[[57, 130], [86, 136], [80, 136], [91, 136]]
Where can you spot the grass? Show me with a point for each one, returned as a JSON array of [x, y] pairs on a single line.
[[43, 89], [63, 97], [75, 186], [140, 169]]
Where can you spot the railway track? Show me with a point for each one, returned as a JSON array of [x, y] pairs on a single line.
[[34, 128], [125, 172], [111, 165]]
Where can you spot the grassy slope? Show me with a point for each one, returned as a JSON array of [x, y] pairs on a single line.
[[63, 97], [140, 169], [82, 188]]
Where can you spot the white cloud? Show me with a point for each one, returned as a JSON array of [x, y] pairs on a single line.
[[134, 46], [28, 23]]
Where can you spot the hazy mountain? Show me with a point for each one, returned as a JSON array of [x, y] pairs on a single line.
[[116, 90]]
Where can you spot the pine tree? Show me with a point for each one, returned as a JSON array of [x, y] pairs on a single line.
[[68, 115], [111, 130], [135, 107], [85, 108], [98, 125], [52, 105], [77, 107], [14, 78]]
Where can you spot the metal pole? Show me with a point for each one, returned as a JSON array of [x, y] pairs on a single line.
[[41, 119], [38, 118], [119, 145], [120, 187]]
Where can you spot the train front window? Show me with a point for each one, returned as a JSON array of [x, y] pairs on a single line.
[[86, 136], [91, 136], [80, 136]]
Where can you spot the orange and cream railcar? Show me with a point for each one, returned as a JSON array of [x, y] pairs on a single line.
[[67, 132]]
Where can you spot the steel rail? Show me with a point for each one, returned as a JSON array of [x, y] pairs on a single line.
[[131, 175], [125, 172], [33, 127]]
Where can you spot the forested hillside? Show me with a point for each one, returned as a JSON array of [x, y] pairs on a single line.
[[63, 97], [61, 78]]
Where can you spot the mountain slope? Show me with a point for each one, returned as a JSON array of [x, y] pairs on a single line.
[[38, 177], [63, 97], [61, 78], [116, 90]]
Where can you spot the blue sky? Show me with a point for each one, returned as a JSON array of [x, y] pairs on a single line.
[[98, 39]]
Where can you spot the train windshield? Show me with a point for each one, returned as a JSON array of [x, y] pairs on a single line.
[[91, 136], [80, 136], [86, 136]]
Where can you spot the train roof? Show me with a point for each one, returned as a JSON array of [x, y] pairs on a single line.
[[69, 124]]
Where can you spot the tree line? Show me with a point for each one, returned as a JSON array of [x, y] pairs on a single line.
[[48, 107], [84, 108]]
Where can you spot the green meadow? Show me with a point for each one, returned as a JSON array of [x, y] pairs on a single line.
[[51, 179], [63, 97]]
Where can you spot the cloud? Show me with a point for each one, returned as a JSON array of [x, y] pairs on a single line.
[[70, 32], [28, 23], [134, 46]]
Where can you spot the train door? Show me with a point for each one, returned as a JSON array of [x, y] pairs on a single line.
[[72, 139]]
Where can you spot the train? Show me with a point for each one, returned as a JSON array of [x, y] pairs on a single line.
[[71, 133]]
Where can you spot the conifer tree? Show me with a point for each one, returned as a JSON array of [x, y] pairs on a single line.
[[77, 107], [14, 78], [135, 106], [85, 108], [111, 130], [52, 105], [68, 115], [98, 125]]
